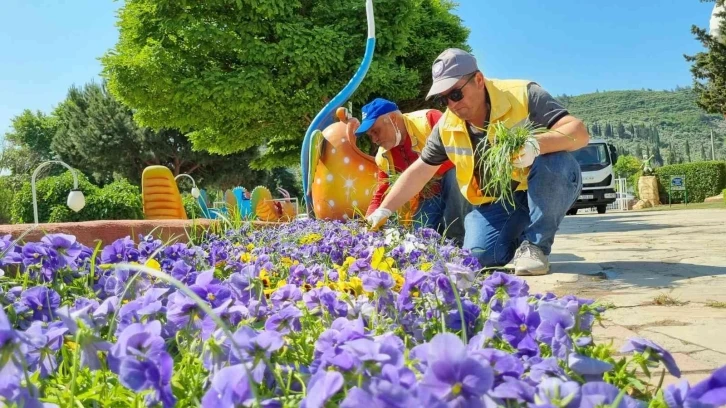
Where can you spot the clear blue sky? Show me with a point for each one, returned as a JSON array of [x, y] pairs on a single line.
[[568, 46]]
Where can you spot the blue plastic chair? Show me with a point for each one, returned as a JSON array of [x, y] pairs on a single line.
[[202, 200], [244, 204]]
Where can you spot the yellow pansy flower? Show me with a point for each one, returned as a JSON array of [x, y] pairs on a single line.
[[310, 239], [399, 281], [380, 262], [356, 285], [153, 264]]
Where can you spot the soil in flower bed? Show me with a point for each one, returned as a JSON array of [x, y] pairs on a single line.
[[305, 314]]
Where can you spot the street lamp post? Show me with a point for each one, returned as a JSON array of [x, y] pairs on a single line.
[[195, 190], [76, 201]]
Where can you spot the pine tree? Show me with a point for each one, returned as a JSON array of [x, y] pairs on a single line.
[[688, 151], [593, 130], [632, 131], [703, 152], [608, 130], [638, 151], [621, 130], [657, 158], [672, 159], [657, 136]]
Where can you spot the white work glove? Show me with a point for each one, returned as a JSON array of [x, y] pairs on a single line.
[[526, 156], [378, 218]]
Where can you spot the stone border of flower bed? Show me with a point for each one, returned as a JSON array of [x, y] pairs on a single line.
[[88, 232]]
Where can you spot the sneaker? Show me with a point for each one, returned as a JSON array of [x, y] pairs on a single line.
[[530, 261]]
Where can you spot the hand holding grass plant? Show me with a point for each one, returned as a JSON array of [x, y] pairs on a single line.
[[497, 162]]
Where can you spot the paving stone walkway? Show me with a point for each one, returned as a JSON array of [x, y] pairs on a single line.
[[664, 273]]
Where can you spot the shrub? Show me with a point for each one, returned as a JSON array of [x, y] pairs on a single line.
[[116, 201], [633, 181], [6, 198], [191, 207], [119, 200], [703, 180], [51, 192]]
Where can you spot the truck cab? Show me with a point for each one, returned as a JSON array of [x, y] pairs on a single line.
[[598, 180]]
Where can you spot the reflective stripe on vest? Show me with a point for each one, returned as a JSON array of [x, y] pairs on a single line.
[[509, 103]]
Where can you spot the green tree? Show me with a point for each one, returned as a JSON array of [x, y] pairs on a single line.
[[97, 135], [608, 130], [672, 158], [593, 129], [638, 151], [621, 131], [688, 151], [627, 166], [709, 69], [248, 73], [657, 158], [28, 142], [703, 152]]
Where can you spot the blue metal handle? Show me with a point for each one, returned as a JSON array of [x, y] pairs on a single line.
[[326, 116]]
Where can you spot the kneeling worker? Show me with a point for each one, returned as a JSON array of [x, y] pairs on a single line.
[[400, 137], [550, 181]]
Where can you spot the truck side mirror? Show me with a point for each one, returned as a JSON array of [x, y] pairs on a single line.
[[613, 154]]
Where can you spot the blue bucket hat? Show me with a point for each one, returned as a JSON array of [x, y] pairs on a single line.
[[374, 110]]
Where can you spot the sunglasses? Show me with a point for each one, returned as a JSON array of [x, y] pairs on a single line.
[[455, 96]]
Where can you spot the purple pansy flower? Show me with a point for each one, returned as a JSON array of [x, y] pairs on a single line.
[[710, 391], [285, 321], [453, 376], [65, 246], [657, 353], [322, 386], [41, 301], [518, 323], [599, 394], [558, 393]]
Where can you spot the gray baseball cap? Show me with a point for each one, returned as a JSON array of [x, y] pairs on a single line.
[[448, 68]]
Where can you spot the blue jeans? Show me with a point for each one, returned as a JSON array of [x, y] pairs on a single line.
[[445, 212], [495, 231]]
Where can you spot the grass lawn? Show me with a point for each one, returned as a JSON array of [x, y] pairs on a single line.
[[695, 206]]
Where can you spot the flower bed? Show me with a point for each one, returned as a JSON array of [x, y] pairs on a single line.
[[307, 314]]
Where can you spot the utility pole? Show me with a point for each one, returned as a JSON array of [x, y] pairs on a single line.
[[713, 151]]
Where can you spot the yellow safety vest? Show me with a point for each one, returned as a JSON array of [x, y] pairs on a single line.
[[509, 103], [418, 129]]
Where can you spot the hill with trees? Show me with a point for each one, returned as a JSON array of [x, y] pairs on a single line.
[[666, 124]]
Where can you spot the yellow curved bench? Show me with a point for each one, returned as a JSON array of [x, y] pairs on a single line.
[[160, 195]]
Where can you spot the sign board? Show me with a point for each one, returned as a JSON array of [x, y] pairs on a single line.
[[678, 183]]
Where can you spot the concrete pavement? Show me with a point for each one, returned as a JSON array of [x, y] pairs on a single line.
[[663, 273]]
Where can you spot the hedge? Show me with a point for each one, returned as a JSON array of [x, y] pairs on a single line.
[[191, 207], [703, 180], [6, 199], [116, 201]]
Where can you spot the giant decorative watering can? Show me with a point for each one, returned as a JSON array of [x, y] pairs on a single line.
[[338, 179]]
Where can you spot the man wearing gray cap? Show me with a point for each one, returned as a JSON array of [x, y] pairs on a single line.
[[548, 180]]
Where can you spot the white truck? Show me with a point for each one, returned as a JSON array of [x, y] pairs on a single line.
[[598, 180]]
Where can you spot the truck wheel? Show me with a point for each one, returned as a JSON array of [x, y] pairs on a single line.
[[572, 211], [601, 209]]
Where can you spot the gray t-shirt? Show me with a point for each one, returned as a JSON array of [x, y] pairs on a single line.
[[544, 111]]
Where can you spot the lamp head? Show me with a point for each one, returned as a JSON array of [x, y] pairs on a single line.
[[76, 200], [195, 192]]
